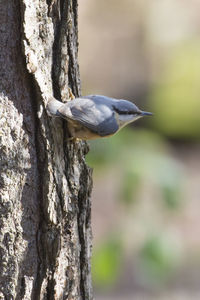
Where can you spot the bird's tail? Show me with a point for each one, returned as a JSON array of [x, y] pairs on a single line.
[[52, 106]]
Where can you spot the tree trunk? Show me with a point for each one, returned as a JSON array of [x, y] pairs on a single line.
[[45, 185]]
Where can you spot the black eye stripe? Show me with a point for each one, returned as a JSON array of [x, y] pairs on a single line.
[[125, 112]]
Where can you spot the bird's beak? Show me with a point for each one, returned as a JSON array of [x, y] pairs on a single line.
[[146, 113]]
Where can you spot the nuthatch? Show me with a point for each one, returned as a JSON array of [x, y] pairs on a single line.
[[95, 116]]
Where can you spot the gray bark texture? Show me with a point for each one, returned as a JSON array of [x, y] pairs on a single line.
[[45, 185]]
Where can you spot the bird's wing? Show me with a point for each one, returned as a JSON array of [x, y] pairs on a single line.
[[87, 113]]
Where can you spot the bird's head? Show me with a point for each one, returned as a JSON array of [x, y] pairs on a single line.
[[126, 112]]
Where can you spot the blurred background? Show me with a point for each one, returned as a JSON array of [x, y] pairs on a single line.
[[145, 201]]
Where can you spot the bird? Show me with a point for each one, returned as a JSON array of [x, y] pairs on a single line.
[[95, 116]]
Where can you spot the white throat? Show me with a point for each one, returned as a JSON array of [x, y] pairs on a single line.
[[126, 119]]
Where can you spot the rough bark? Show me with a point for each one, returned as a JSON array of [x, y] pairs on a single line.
[[45, 185]]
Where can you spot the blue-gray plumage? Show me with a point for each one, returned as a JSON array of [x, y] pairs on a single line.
[[95, 116]]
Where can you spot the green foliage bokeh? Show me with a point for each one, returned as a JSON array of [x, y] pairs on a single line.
[[175, 98], [141, 156], [106, 262]]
